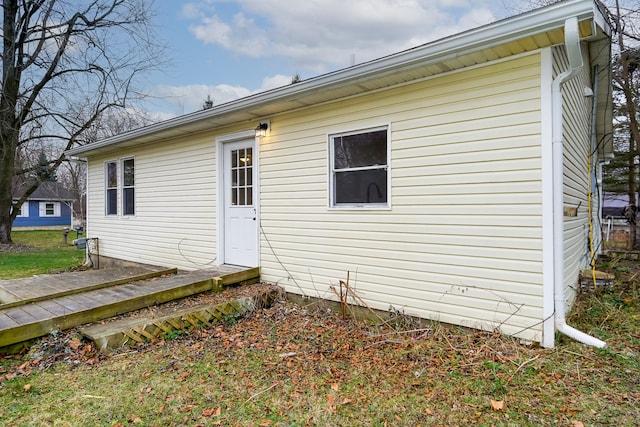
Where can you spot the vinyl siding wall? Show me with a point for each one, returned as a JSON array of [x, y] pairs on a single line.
[[577, 140], [175, 205], [462, 241]]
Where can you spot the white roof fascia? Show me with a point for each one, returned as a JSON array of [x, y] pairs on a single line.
[[487, 36]]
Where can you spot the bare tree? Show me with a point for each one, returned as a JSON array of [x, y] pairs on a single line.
[[72, 172], [64, 64], [623, 173]]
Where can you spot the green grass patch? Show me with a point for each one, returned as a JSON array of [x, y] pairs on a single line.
[[302, 366], [46, 253]]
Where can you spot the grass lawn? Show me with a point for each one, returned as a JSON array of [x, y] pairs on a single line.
[[48, 255], [293, 365]]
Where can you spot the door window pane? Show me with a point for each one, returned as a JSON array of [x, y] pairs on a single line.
[[241, 177]]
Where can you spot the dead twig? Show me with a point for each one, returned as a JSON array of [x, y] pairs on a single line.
[[387, 341], [356, 297], [285, 355], [260, 392], [583, 356], [342, 301], [449, 342], [126, 353], [411, 331], [522, 365]]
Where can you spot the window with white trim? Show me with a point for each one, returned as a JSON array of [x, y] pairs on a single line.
[[49, 209], [128, 189], [111, 187], [360, 168], [24, 210]]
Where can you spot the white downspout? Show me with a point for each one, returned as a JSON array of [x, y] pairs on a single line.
[[572, 43]]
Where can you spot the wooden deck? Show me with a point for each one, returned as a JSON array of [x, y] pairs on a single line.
[[46, 286], [34, 307]]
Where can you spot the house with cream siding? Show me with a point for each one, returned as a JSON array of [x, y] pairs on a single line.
[[456, 181]]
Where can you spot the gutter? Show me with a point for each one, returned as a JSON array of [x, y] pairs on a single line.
[[574, 53], [492, 35]]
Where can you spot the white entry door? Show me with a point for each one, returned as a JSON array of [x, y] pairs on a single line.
[[240, 213]]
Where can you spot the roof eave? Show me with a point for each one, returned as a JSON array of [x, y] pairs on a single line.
[[491, 35]]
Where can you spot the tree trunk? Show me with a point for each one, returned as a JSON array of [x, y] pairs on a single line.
[[9, 132], [631, 192], [7, 158]]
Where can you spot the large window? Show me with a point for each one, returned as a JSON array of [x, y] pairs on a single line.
[[49, 209], [128, 189], [360, 168], [111, 179]]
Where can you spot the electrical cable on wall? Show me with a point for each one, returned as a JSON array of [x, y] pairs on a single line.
[[191, 261], [592, 178], [289, 275]]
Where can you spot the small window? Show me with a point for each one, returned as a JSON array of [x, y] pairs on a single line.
[[49, 209], [111, 180], [128, 189], [360, 169], [23, 212]]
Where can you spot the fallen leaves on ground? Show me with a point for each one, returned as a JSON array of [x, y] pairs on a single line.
[[497, 405], [213, 412], [274, 358]]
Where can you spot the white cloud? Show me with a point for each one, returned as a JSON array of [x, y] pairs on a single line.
[[187, 99], [177, 100], [273, 82], [321, 35], [311, 37]]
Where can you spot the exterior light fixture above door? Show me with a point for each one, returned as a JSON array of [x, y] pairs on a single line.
[[261, 130]]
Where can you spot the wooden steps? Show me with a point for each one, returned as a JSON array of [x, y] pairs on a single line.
[[39, 316], [129, 331], [623, 254]]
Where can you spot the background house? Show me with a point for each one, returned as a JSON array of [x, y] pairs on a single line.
[[49, 207], [614, 203], [438, 178]]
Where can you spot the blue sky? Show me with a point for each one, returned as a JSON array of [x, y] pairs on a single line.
[[228, 49]]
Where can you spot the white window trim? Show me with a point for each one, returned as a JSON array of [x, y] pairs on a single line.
[[24, 210], [331, 192], [107, 188], [43, 209], [122, 187]]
